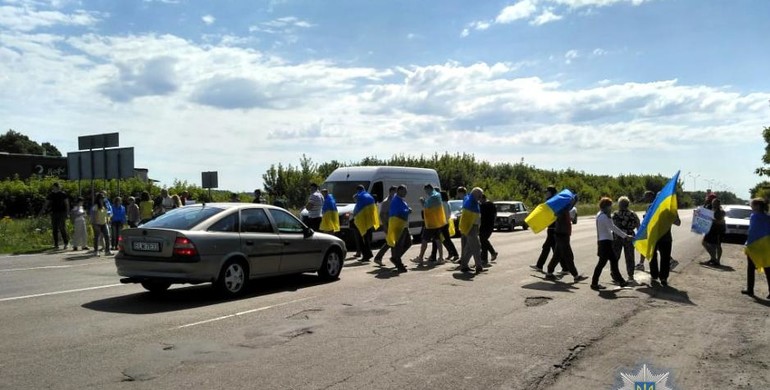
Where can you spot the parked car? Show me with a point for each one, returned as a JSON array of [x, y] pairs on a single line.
[[737, 219], [227, 244], [510, 214]]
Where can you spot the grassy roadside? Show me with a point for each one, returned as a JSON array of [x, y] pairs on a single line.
[[586, 210], [29, 235]]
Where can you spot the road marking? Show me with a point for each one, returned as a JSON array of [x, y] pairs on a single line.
[[47, 267], [60, 292], [241, 313]]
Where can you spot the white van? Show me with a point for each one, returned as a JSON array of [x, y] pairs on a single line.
[[377, 180]]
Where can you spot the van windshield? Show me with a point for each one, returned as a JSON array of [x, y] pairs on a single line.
[[343, 191]]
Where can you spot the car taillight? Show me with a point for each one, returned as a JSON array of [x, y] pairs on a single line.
[[120, 243], [184, 247]]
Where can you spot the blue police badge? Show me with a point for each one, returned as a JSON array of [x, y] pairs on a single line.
[[645, 379]]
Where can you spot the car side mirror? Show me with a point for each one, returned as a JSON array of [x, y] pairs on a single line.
[[308, 232]]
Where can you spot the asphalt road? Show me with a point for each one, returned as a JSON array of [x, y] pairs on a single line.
[[67, 323]]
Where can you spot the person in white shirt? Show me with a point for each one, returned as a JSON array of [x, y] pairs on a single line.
[[604, 230], [314, 206]]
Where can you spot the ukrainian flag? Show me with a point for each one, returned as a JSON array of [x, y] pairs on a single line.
[[398, 220], [365, 213], [758, 243], [434, 212], [470, 214], [658, 220], [545, 213], [330, 222]]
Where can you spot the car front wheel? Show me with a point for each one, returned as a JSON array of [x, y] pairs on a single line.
[[331, 266], [233, 278]]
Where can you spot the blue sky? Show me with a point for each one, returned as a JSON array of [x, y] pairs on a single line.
[[604, 86]]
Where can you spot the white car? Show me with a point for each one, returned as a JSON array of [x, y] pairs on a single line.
[[737, 219]]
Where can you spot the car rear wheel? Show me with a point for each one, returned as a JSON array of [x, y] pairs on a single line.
[[331, 266], [233, 278], [524, 226], [155, 286]]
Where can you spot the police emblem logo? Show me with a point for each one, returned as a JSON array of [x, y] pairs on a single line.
[[645, 379]]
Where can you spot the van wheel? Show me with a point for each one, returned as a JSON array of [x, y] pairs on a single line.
[[155, 286], [331, 266], [233, 278], [524, 226], [512, 226]]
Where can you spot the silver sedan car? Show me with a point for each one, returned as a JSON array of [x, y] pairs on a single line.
[[227, 244]]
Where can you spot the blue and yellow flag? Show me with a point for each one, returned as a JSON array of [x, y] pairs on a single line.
[[545, 213], [470, 213], [330, 221], [365, 213], [398, 220], [434, 211], [758, 243], [658, 220]]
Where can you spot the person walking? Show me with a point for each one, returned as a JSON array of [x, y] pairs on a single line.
[[132, 213], [462, 192], [59, 204], [469, 227], [366, 219], [99, 220], [712, 241], [330, 220], [398, 237], [660, 265], [447, 231], [563, 252], [384, 217], [487, 226], [80, 232], [605, 230], [757, 244], [314, 207], [649, 197], [117, 221], [550, 241], [434, 219], [628, 222]]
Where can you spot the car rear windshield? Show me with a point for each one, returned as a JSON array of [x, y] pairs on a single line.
[[504, 208], [183, 218], [343, 191], [455, 205], [739, 213]]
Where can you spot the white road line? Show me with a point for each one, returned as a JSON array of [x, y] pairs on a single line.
[[60, 292], [241, 313], [47, 267]]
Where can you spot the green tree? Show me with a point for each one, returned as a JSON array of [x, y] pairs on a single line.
[[765, 171], [15, 142]]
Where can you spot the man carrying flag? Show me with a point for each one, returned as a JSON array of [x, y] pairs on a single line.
[[398, 236], [655, 232], [758, 245], [470, 219], [384, 216], [330, 220], [435, 219], [366, 220]]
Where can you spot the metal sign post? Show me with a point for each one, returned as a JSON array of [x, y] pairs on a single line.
[[209, 180]]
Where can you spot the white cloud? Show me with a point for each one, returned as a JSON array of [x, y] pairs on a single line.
[[29, 18], [570, 55], [208, 19], [521, 10], [281, 25], [545, 11], [546, 16], [598, 52]]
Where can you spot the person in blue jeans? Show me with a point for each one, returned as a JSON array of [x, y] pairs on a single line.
[[117, 221]]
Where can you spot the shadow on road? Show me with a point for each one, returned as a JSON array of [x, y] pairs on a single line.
[[721, 267], [613, 294], [197, 296], [547, 285], [667, 293], [82, 256]]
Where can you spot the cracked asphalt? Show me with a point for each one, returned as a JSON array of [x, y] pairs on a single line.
[[68, 324]]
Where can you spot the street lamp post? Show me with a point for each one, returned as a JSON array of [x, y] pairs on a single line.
[[694, 180]]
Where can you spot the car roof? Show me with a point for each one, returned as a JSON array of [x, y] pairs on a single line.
[[506, 201], [235, 205], [736, 206]]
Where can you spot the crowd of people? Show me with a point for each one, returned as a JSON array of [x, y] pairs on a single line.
[[106, 216], [615, 231]]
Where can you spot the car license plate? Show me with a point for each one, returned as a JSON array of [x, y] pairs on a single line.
[[146, 246]]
